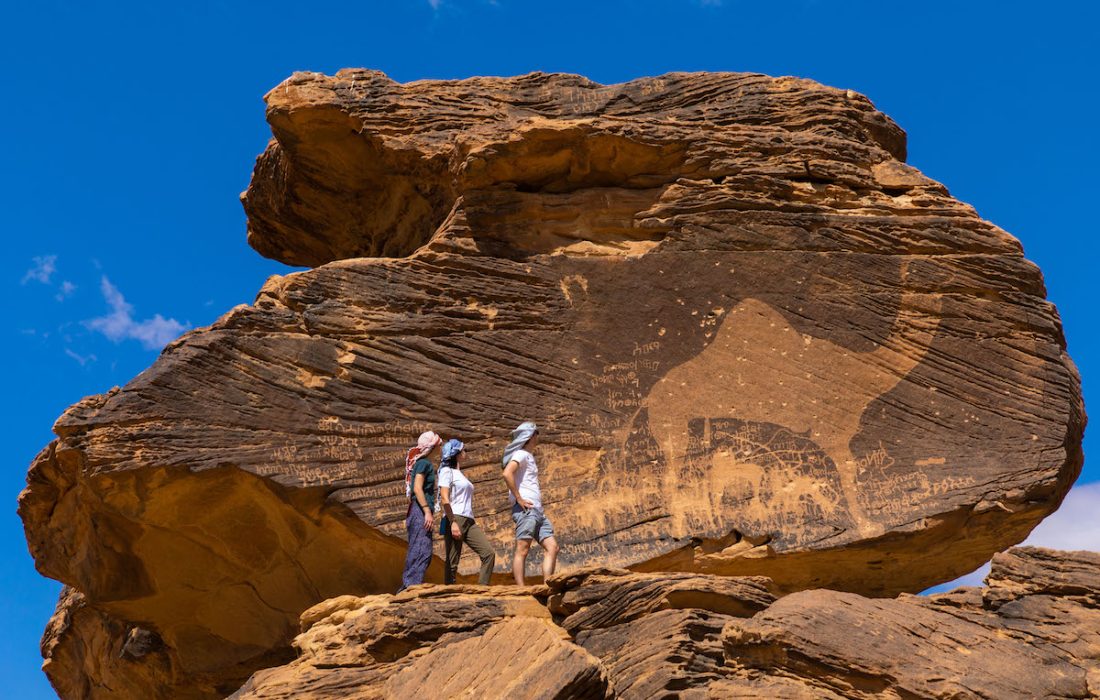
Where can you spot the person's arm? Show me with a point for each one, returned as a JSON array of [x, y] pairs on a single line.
[[422, 500], [510, 479], [445, 499]]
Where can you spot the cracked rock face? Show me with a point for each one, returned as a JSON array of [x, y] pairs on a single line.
[[90, 654], [700, 636], [755, 340], [1036, 640]]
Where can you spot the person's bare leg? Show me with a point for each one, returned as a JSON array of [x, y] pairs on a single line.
[[549, 557], [519, 560]]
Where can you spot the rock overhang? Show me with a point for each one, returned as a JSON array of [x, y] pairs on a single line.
[[758, 342]]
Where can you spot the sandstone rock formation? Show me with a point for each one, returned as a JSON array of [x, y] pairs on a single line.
[[697, 636], [757, 343], [90, 655], [458, 641], [1033, 632]]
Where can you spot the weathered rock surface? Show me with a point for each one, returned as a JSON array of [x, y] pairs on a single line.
[[757, 343], [219, 564], [1036, 640], [599, 598], [657, 634], [696, 636], [91, 655], [458, 642]]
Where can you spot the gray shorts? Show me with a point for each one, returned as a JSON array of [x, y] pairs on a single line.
[[531, 524]]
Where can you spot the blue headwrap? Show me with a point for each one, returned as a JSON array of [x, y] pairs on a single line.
[[520, 436], [450, 452]]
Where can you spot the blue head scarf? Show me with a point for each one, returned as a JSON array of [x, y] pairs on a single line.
[[451, 448], [520, 436]]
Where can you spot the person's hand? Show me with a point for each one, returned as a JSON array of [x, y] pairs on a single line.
[[456, 532], [429, 519], [524, 503]]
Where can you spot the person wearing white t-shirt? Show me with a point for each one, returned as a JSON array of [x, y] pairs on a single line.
[[456, 493], [521, 474]]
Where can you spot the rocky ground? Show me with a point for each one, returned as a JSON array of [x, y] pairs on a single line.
[[1032, 632]]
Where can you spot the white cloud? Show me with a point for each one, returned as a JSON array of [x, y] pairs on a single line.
[[153, 333], [44, 267], [82, 359], [1075, 525], [67, 289], [435, 4]]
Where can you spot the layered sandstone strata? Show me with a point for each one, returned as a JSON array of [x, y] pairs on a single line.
[[757, 342], [624, 635]]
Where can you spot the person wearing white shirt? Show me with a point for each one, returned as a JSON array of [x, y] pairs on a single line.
[[521, 474], [456, 493]]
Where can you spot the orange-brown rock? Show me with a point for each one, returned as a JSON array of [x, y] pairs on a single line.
[[469, 642], [657, 634], [1036, 640], [219, 564], [598, 598], [91, 655], [757, 342], [688, 640]]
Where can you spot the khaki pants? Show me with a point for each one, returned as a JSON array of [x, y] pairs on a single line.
[[473, 535]]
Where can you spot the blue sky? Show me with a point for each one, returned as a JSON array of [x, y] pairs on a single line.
[[131, 128]]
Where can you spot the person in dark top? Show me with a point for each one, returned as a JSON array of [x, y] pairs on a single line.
[[420, 488]]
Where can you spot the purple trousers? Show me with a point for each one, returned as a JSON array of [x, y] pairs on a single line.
[[420, 548]]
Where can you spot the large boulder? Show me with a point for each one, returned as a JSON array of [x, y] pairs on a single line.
[[756, 341], [469, 642], [1036, 640]]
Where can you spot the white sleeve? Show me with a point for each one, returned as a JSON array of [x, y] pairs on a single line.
[[446, 477]]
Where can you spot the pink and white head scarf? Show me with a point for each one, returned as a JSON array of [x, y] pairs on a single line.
[[424, 444]]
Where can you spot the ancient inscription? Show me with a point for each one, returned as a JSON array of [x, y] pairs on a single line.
[[341, 450], [767, 467], [620, 383], [878, 459], [890, 488], [724, 474]]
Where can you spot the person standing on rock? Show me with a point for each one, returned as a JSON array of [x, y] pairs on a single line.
[[420, 480], [521, 474], [456, 493]]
